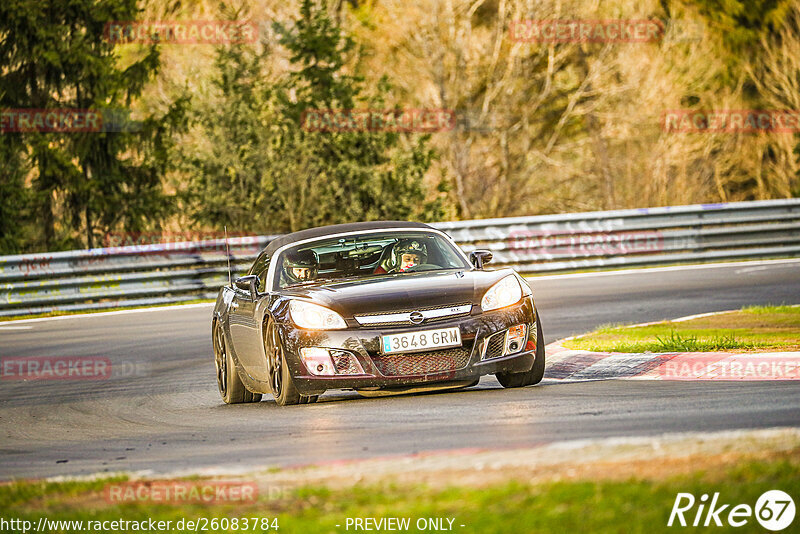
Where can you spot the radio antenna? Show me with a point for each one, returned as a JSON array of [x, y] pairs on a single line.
[[228, 256]]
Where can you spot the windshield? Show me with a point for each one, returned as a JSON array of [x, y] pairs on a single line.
[[365, 255]]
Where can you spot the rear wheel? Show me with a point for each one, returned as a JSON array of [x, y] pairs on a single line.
[[230, 386], [527, 378], [280, 380]]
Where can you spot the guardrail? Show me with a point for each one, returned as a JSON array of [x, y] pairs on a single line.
[[178, 272]]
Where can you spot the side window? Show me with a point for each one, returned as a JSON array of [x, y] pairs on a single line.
[[262, 276], [257, 264], [260, 268]]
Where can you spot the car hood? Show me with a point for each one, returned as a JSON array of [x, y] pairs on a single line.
[[401, 292]]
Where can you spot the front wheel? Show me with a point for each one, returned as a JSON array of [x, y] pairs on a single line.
[[230, 386], [527, 378], [280, 379]]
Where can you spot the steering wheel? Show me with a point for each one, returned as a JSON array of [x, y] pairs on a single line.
[[423, 267]]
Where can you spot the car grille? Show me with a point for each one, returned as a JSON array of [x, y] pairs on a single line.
[[400, 318], [422, 363], [345, 363], [495, 344]]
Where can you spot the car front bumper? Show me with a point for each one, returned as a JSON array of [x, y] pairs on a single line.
[[387, 371]]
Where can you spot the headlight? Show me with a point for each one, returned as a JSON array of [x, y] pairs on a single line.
[[314, 316], [504, 293]]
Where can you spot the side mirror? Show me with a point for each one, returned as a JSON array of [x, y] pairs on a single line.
[[248, 283], [479, 258]]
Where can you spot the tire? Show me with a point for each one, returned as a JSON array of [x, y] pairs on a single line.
[[280, 379], [527, 378], [230, 386]]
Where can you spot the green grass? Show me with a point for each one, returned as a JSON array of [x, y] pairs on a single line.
[[675, 342], [635, 505], [765, 310], [118, 308], [755, 328]]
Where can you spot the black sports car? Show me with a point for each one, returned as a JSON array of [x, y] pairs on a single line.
[[380, 307]]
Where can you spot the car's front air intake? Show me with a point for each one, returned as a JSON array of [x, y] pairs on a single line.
[[422, 363]]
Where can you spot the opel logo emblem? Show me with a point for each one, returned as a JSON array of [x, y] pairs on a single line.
[[416, 317]]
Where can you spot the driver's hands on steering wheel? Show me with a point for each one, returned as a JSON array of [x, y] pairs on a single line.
[[422, 267]]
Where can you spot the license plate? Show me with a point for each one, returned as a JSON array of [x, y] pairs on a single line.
[[422, 340]]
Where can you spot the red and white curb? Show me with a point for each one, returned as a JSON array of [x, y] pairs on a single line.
[[577, 365]]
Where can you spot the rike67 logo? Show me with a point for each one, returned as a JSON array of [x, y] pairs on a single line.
[[774, 510]]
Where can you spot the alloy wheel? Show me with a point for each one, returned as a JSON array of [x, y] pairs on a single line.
[[274, 360], [220, 360]]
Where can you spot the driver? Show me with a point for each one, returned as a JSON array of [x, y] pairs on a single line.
[[406, 253], [300, 266]]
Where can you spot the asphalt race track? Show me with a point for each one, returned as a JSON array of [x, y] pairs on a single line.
[[160, 410]]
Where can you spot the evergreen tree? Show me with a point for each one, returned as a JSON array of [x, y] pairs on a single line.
[[368, 175], [228, 167], [54, 55], [263, 172], [14, 196]]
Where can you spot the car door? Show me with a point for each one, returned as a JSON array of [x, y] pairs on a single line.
[[245, 325]]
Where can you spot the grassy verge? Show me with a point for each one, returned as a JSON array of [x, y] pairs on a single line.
[[119, 308], [635, 505], [752, 329]]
